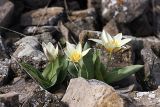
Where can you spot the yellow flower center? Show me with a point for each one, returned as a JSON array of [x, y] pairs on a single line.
[[75, 56], [113, 45]]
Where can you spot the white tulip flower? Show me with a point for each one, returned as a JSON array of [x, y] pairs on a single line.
[[50, 51], [111, 44], [75, 53]]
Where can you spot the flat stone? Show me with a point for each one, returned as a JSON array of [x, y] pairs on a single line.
[[123, 11], [44, 16], [6, 11], [92, 93]]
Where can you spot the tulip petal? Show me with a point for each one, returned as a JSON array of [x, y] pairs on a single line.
[[104, 37], [118, 36], [67, 53], [97, 40], [108, 36], [124, 41], [56, 51], [44, 47], [50, 48], [70, 47], [79, 47], [85, 52]]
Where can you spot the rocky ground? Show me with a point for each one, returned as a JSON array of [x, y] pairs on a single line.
[[24, 24]]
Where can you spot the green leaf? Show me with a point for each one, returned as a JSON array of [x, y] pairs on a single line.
[[62, 69], [83, 71], [88, 64], [35, 74], [86, 46], [120, 73], [50, 72], [47, 70], [98, 67], [72, 70]]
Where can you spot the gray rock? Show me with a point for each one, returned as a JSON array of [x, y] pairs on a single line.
[[38, 30], [123, 11], [92, 93], [151, 63], [141, 26], [28, 50], [6, 11], [147, 78], [121, 58], [156, 16], [139, 43], [124, 29], [5, 72], [151, 44], [146, 99], [44, 33], [22, 87], [82, 20], [45, 37], [111, 27], [94, 4], [10, 99], [45, 16], [36, 3], [42, 98], [2, 49]]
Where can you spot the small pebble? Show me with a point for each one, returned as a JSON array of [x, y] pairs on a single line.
[[151, 95], [140, 94]]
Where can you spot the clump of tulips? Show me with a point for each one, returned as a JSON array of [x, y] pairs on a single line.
[[81, 61]]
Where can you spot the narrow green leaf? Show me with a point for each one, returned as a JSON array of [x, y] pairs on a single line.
[[35, 74], [86, 46], [62, 70], [118, 74], [72, 70], [54, 79], [98, 74], [51, 70], [47, 70], [84, 72], [89, 64]]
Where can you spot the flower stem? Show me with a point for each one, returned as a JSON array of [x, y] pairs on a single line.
[[80, 72], [75, 67], [109, 60]]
